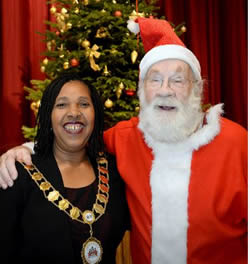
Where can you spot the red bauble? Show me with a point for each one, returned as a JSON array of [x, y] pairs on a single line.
[[74, 62], [118, 13], [57, 33], [130, 92]]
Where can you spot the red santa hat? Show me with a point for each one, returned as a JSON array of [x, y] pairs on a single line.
[[160, 43]]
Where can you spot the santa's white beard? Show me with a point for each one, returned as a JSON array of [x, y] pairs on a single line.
[[170, 126]]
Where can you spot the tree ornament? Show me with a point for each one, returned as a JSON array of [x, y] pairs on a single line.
[[64, 11], [85, 2], [35, 106], [134, 15], [101, 32], [134, 55], [118, 13], [49, 45], [137, 109], [65, 65], [119, 90], [45, 61], [92, 53], [85, 43], [68, 25], [121, 85], [114, 1], [113, 51], [61, 55], [42, 69], [74, 62], [75, 2], [77, 10], [183, 29], [108, 103], [103, 11], [105, 71], [118, 93], [130, 92], [57, 33], [52, 9]]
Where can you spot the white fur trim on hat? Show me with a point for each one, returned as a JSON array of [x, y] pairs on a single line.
[[169, 51]]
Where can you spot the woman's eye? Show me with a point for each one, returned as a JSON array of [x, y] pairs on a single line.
[[84, 104], [60, 105]]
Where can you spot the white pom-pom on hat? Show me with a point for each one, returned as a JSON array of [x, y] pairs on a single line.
[[133, 26]]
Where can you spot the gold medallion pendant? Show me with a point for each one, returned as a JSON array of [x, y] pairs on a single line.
[[91, 251]]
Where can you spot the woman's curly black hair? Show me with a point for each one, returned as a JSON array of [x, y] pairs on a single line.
[[45, 137]]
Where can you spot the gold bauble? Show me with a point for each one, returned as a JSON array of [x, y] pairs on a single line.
[[85, 43], [137, 109], [108, 103], [42, 69], [64, 11], [49, 45], [103, 10], [114, 1], [183, 29], [68, 25], [134, 55], [65, 65], [77, 10], [53, 10], [45, 61], [85, 2]]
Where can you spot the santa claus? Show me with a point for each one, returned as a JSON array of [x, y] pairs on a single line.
[[185, 169]]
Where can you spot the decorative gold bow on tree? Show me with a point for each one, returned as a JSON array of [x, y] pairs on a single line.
[[92, 53]]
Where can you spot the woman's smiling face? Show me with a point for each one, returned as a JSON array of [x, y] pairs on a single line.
[[72, 117]]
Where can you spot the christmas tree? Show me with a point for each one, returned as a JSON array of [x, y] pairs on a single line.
[[90, 37]]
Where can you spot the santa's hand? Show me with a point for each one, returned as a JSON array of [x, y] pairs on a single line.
[[8, 172]]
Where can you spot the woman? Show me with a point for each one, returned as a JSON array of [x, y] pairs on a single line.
[[69, 207]]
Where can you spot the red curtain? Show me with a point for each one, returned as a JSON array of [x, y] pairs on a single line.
[[216, 33], [20, 50]]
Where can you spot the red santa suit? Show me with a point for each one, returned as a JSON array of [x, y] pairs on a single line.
[[188, 201]]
